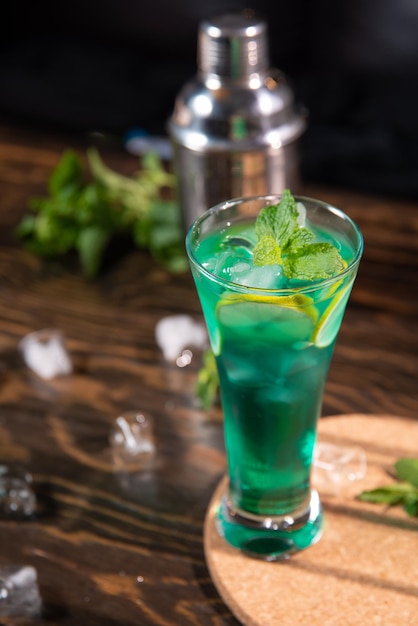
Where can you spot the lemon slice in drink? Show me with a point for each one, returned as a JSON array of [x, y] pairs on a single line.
[[282, 319], [329, 323]]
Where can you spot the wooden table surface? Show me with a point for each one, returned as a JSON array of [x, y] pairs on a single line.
[[126, 548]]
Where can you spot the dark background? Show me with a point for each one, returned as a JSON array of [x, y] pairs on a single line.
[[111, 65]]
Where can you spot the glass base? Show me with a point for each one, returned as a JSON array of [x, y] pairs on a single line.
[[271, 538]]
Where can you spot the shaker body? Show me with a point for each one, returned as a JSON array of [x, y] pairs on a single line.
[[205, 178], [234, 128]]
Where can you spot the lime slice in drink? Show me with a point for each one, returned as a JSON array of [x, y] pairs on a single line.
[[329, 323], [293, 301], [281, 319]]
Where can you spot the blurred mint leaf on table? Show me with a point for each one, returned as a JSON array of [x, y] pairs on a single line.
[[403, 493], [86, 208], [407, 469], [207, 380]]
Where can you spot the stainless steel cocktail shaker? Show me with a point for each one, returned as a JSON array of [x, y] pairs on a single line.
[[235, 126]]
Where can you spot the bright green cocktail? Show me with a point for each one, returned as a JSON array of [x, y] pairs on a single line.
[[272, 328]]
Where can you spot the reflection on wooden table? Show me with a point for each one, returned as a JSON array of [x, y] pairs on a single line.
[[127, 548]]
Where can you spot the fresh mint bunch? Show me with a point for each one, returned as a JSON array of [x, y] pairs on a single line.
[[85, 210], [283, 241], [402, 493]]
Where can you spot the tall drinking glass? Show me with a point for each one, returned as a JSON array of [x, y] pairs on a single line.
[[273, 340]]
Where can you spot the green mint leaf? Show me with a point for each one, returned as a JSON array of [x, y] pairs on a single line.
[[390, 494], [26, 226], [141, 230], [265, 223], [283, 241], [315, 261], [67, 176], [207, 380], [278, 220], [298, 240], [91, 244], [53, 235], [267, 252], [165, 211], [407, 470], [161, 231], [163, 235], [403, 493], [410, 505]]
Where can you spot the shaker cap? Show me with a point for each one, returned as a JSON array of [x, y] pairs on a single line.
[[233, 45]]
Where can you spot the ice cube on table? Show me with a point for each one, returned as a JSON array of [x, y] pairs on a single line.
[[44, 353], [17, 498], [15, 470], [19, 591], [335, 467], [174, 333], [132, 439]]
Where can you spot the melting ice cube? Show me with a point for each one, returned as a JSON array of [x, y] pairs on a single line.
[[336, 466], [15, 470], [17, 498], [19, 591], [239, 272], [132, 440], [262, 277], [241, 247], [301, 209], [44, 353], [220, 263], [177, 332]]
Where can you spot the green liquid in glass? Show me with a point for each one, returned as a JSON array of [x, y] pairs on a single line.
[[273, 353]]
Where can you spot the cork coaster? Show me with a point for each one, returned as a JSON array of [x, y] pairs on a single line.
[[364, 570]]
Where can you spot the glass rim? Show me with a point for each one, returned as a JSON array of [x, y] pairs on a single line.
[[303, 288]]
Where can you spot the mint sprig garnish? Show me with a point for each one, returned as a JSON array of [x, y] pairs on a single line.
[[207, 385], [402, 493], [283, 241]]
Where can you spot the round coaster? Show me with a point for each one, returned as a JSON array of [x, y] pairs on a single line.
[[364, 570]]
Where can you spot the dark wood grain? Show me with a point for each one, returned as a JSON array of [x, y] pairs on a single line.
[[126, 548]]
